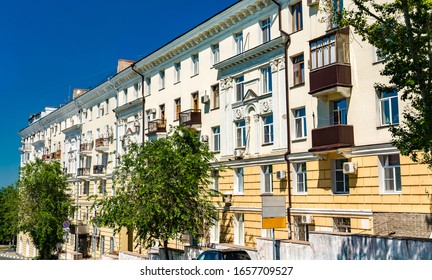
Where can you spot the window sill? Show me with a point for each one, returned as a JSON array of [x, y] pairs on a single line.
[[303, 139], [194, 75], [298, 85], [238, 194], [296, 31], [386, 126], [340, 194], [301, 194], [391, 193], [178, 82], [214, 109], [267, 144]]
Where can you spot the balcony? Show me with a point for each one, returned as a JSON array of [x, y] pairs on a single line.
[[332, 138], [46, 157], [86, 148], [56, 154], [99, 169], [83, 172], [190, 117], [25, 148], [156, 126], [102, 144], [334, 78]]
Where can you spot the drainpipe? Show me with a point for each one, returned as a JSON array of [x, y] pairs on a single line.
[[288, 152], [143, 105]]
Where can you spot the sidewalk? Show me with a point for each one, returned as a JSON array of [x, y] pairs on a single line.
[[10, 253]]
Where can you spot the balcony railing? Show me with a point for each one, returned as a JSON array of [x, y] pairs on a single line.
[[332, 137], [330, 79], [156, 126], [56, 154], [102, 144], [190, 117], [83, 171], [86, 148], [46, 156], [99, 169]]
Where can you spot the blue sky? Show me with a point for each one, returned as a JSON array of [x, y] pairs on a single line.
[[49, 47]]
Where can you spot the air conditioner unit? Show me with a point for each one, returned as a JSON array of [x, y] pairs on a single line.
[[280, 174], [312, 2], [239, 153], [307, 219], [205, 99], [349, 167], [204, 138]]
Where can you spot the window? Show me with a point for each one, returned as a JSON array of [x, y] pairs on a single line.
[[389, 107], [111, 244], [239, 88], [300, 123], [216, 97], [177, 70], [238, 39], [329, 49], [268, 129], [215, 176], [161, 79], [265, 30], [125, 96], [266, 80], [87, 187], [239, 180], [297, 17], [215, 53], [136, 89], [377, 55], [390, 174], [195, 101], [103, 187], [162, 111], [267, 179], [241, 134], [239, 229], [177, 109], [342, 224], [195, 64], [298, 69], [300, 177], [337, 6], [148, 86], [216, 138], [340, 112], [340, 180], [102, 245]]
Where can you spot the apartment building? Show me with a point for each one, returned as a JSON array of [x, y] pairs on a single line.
[[285, 99]]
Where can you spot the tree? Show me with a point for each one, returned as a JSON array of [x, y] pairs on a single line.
[[401, 31], [9, 213], [44, 204], [162, 189]]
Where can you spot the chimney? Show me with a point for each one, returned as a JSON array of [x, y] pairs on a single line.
[[123, 64], [77, 92]]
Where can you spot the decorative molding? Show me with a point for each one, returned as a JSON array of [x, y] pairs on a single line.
[[226, 83]]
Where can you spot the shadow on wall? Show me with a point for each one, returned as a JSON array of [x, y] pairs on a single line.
[[225, 235]]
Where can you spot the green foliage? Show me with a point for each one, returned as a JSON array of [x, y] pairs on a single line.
[[44, 204], [402, 32], [162, 189], [8, 213]]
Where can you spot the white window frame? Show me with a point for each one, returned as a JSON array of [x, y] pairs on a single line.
[[334, 173], [215, 50], [265, 30], [195, 64], [267, 179], [392, 110], [216, 138], [241, 139], [177, 72], [300, 123], [266, 78], [395, 172], [268, 130], [148, 86], [300, 177], [215, 179], [239, 233], [239, 89], [215, 233], [161, 79], [239, 181], [238, 42]]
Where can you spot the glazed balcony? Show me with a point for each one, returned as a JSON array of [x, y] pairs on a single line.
[[332, 138], [334, 78], [102, 144], [156, 126], [83, 172], [99, 169], [190, 117]]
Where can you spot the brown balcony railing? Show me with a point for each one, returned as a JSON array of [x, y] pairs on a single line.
[[99, 169], [102, 142], [83, 171], [86, 147], [332, 137], [46, 156], [323, 79], [56, 154], [156, 126], [190, 117]]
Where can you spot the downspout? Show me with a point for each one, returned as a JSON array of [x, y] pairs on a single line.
[[143, 104], [288, 152]]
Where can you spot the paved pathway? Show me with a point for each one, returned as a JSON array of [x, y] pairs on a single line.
[[10, 254]]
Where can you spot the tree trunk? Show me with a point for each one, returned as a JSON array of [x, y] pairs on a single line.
[[165, 243]]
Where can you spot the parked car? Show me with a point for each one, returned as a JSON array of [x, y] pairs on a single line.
[[224, 254]]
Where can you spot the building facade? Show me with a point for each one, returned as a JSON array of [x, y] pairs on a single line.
[[285, 99]]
